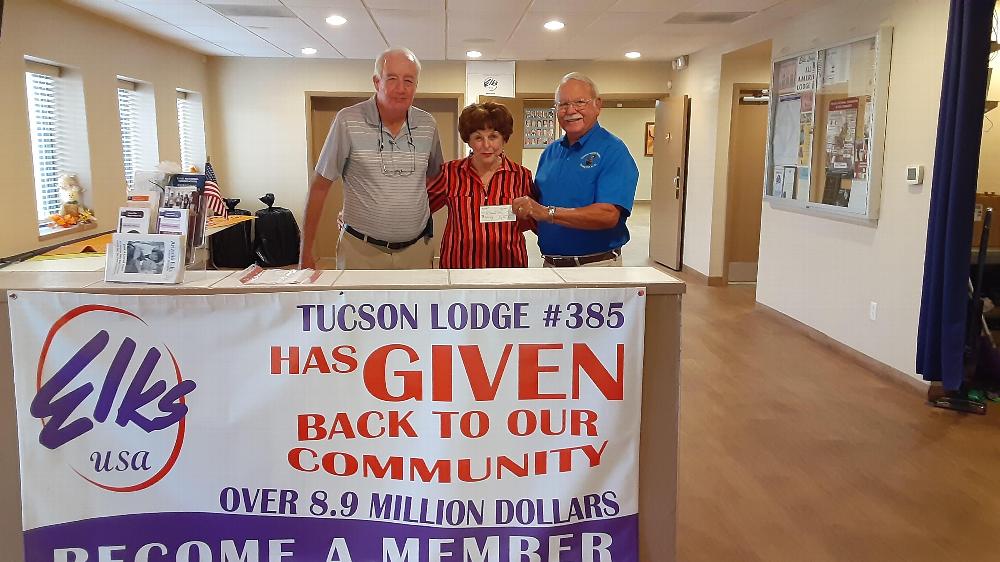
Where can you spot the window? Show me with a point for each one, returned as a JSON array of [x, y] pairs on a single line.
[[138, 123], [191, 122], [58, 127], [43, 118]]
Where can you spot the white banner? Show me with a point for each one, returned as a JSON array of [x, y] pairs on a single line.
[[438, 426]]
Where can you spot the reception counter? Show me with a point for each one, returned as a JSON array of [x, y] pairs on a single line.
[[657, 471]]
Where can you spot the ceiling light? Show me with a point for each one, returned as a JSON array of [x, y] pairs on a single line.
[[473, 54], [308, 51], [633, 55], [336, 20], [554, 25]]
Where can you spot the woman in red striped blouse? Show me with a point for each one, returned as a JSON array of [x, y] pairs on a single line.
[[482, 230]]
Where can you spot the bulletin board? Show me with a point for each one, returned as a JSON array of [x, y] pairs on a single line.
[[539, 127], [827, 127]]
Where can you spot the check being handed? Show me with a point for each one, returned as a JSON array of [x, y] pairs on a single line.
[[496, 213]]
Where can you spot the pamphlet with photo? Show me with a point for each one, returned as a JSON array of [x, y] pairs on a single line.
[[145, 258]]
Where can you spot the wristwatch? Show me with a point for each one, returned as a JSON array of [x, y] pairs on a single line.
[[552, 213]]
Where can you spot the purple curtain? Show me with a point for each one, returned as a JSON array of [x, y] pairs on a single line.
[[944, 302]]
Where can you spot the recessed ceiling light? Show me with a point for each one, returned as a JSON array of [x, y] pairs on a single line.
[[308, 51], [633, 54], [336, 20], [554, 25], [473, 54]]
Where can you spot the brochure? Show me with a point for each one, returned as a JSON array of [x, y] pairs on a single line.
[[145, 258], [173, 221], [134, 220]]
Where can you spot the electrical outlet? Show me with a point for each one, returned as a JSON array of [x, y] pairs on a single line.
[[873, 311]]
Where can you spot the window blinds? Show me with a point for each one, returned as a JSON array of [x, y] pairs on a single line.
[[47, 146], [191, 122], [128, 111]]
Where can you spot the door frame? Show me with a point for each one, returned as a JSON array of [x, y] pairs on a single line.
[[727, 233]]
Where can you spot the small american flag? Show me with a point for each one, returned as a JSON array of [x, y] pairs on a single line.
[[214, 197]]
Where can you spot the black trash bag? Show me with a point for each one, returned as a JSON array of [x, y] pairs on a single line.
[[233, 247], [276, 235]]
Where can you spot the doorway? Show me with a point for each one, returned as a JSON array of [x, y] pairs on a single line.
[[322, 108], [745, 182]]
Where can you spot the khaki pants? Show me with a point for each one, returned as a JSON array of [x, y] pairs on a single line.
[[354, 253]]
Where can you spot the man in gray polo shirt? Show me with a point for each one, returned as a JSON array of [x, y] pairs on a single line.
[[384, 149]]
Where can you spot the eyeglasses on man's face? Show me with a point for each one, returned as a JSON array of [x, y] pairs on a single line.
[[575, 104]]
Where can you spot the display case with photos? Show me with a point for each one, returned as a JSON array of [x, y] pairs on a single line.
[[539, 127], [827, 126]]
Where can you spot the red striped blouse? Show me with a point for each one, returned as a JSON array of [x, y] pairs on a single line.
[[468, 243]]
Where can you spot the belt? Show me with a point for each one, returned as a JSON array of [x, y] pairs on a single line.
[[573, 261], [382, 243]]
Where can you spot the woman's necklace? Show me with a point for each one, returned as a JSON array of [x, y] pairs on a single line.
[[486, 176]]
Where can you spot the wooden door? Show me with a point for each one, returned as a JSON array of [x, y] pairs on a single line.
[[666, 213], [514, 149], [745, 185]]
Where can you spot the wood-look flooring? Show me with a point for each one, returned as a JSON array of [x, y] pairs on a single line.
[[790, 451]]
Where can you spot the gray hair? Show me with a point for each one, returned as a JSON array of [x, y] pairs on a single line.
[[380, 61], [579, 77]]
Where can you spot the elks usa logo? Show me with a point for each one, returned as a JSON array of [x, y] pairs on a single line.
[[590, 159], [110, 396]]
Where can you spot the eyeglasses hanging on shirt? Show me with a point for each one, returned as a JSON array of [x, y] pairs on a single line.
[[397, 160]]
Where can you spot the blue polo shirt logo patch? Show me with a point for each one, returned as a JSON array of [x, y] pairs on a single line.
[[590, 159]]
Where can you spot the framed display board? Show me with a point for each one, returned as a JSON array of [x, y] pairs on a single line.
[[539, 127], [826, 128]]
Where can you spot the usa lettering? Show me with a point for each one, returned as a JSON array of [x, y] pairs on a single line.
[[60, 429]]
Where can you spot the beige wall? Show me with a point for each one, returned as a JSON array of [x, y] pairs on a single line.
[[820, 271], [710, 72], [749, 65], [259, 114], [824, 272], [259, 118], [98, 50], [700, 81], [629, 124], [626, 77]]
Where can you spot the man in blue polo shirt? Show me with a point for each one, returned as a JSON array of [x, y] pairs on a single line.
[[586, 183]]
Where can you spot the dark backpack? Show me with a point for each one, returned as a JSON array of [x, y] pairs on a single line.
[[276, 235], [232, 247]]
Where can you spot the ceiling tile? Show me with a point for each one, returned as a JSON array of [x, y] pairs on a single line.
[[486, 33], [419, 5], [243, 2], [570, 6], [178, 12], [729, 5], [421, 31], [595, 29], [324, 4], [356, 39], [650, 6], [487, 6], [290, 35]]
